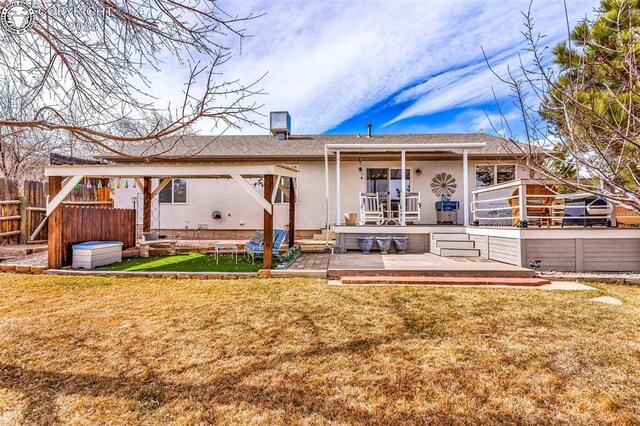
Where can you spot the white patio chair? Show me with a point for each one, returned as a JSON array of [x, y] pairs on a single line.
[[412, 207], [370, 208]]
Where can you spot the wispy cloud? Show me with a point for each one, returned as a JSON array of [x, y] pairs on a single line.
[[330, 60]]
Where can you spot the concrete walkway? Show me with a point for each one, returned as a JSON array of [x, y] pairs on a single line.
[[421, 264]]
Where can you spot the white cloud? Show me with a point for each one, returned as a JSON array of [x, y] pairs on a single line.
[[330, 60]]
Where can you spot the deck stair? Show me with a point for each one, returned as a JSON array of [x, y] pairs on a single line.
[[453, 245], [424, 280]]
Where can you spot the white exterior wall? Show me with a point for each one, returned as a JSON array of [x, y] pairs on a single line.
[[240, 211]]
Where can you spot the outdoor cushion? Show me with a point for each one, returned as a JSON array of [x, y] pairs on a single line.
[[257, 238]]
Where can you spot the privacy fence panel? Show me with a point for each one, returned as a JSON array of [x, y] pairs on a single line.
[[69, 225], [9, 211], [35, 198]]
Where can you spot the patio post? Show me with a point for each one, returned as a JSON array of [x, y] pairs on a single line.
[[403, 191], [55, 226], [267, 258], [146, 205], [292, 212], [465, 185], [338, 195]]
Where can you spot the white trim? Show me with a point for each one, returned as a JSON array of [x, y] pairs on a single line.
[[338, 189], [409, 147], [403, 187], [465, 186], [553, 233]]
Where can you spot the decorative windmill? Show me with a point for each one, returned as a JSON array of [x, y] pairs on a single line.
[[443, 185]]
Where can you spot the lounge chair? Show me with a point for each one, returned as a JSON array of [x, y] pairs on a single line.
[[255, 247], [370, 208]]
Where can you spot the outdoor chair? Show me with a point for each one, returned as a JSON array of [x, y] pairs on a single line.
[[371, 208], [539, 205], [255, 247], [412, 207]]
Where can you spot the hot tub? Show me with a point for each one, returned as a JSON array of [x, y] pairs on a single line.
[[96, 253]]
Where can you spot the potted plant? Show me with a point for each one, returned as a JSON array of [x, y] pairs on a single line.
[[384, 243], [401, 242], [365, 243]]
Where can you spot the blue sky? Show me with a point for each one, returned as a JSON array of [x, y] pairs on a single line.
[[407, 66]]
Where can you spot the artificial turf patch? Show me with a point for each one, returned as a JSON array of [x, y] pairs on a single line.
[[184, 262]]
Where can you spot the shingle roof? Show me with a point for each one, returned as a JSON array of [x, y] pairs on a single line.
[[265, 146]]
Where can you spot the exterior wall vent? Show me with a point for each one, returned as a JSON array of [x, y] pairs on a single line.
[[280, 124]]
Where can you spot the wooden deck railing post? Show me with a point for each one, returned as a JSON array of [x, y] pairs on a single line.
[[268, 224]]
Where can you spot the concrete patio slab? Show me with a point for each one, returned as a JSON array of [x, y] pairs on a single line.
[[426, 264]]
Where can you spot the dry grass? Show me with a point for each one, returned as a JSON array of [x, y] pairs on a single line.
[[134, 351]]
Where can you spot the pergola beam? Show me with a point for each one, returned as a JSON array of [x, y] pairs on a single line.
[[164, 170], [263, 201], [66, 190]]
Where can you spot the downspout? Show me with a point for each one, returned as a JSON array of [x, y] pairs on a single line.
[[326, 189]]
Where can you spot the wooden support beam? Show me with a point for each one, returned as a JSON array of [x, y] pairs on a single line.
[[55, 226], [275, 189], [267, 258], [146, 205], [292, 212], [265, 202], [54, 201], [160, 187]]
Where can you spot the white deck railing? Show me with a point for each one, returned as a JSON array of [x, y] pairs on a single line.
[[505, 205]]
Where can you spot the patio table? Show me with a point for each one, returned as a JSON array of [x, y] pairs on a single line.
[[229, 248]]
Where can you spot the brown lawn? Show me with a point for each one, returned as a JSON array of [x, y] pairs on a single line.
[[293, 351]]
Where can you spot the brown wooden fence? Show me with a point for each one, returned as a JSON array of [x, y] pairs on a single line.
[[9, 211], [21, 214], [69, 225]]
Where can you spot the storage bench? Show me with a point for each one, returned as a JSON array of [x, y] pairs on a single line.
[[96, 253]]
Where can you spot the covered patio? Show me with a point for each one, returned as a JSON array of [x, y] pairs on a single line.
[[62, 180]]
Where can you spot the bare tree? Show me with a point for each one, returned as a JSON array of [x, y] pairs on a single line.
[[580, 111], [83, 70]]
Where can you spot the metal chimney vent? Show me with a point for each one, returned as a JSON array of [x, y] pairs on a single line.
[[280, 124]]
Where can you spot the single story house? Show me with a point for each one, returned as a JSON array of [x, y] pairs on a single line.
[[462, 195]]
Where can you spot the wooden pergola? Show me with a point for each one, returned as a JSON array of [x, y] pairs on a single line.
[[62, 180]]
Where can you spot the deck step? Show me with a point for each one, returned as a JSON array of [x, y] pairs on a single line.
[[450, 236], [423, 280], [455, 252], [455, 244]]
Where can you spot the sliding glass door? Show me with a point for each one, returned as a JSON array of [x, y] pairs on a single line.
[[387, 182]]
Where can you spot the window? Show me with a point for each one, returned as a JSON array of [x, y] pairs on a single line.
[[174, 193], [387, 182], [493, 174], [281, 197]]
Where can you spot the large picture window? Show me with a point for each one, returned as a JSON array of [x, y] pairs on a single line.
[[493, 174], [174, 193]]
